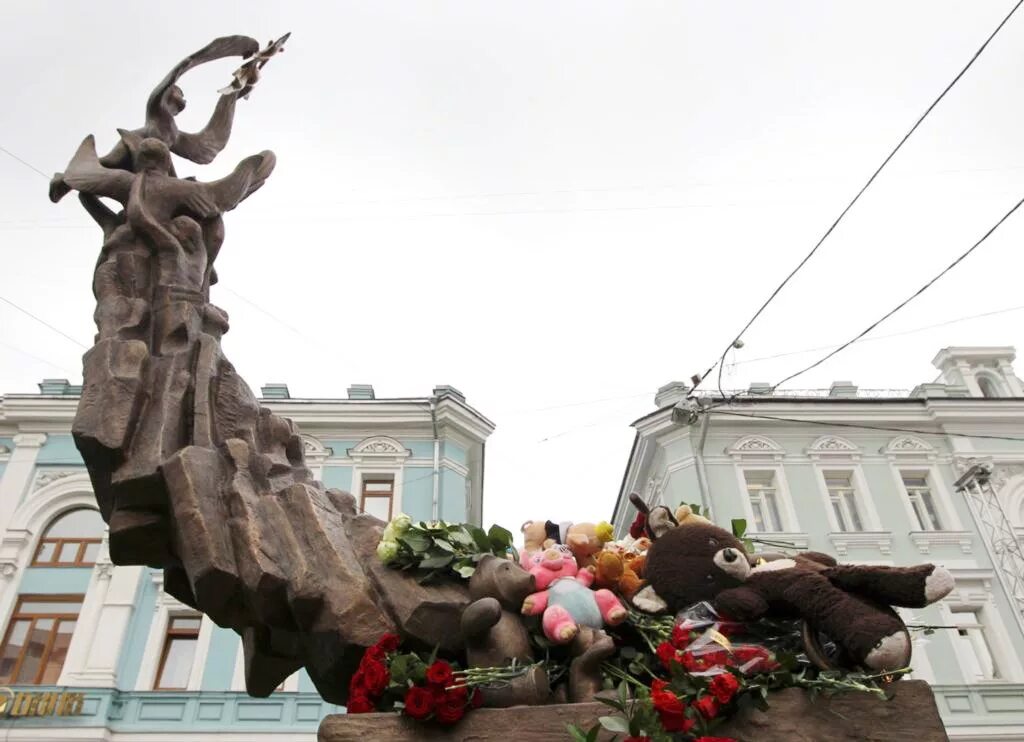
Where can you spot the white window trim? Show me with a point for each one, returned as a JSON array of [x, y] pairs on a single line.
[[291, 683], [166, 608], [757, 453], [973, 592], [831, 453], [379, 455], [910, 453]]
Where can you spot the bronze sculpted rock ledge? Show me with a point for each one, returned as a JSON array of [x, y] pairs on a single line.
[[191, 473]]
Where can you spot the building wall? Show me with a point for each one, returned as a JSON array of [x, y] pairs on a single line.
[[664, 464], [115, 650]]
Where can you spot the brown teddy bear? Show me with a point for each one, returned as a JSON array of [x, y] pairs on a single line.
[[848, 603]]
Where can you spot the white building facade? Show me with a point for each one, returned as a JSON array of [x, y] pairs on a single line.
[[881, 477], [91, 651]]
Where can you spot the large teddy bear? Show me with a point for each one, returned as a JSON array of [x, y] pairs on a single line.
[[849, 603]]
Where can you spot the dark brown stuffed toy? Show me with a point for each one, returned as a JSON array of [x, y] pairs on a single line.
[[849, 603]]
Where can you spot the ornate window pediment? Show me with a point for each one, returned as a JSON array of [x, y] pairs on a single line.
[[832, 446], [379, 447], [908, 445], [755, 447], [315, 451]]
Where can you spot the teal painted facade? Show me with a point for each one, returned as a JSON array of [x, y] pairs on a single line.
[[119, 636], [977, 671]]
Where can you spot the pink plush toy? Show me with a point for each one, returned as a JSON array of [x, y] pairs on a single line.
[[566, 600]]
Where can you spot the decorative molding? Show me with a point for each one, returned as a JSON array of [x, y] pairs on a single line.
[[756, 447], [315, 450], [379, 447], [908, 446], [46, 475], [925, 540], [832, 446], [843, 541], [29, 440], [1003, 473], [8, 568], [104, 570], [962, 463], [793, 540]]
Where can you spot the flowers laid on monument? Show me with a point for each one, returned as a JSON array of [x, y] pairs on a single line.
[[675, 627], [388, 679], [438, 548]]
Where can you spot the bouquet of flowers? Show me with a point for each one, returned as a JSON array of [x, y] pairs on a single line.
[[390, 680], [439, 548]]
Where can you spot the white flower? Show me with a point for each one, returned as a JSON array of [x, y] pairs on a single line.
[[400, 524], [387, 550]]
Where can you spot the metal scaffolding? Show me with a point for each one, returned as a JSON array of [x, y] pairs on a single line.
[[1002, 541]]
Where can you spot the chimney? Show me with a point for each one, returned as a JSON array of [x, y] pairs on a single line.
[[275, 391], [361, 391], [445, 390], [59, 388], [671, 394], [843, 390]]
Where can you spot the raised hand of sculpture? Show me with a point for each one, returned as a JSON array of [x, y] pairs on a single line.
[[165, 102]]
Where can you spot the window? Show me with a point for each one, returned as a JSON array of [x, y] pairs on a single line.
[[378, 496], [38, 638], [988, 387], [71, 540], [764, 500], [843, 497], [178, 652], [980, 659], [922, 501]]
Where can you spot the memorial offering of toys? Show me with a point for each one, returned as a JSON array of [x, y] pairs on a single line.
[[674, 627]]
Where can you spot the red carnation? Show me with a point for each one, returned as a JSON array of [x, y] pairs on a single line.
[[375, 677], [723, 687], [440, 673], [376, 652], [671, 711], [658, 685], [681, 637], [694, 664], [419, 702], [667, 654], [389, 642], [359, 704], [707, 706]]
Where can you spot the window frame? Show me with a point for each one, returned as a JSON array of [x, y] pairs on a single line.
[[846, 500], [58, 618], [368, 479], [762, 455], [769, 508], [61, 541], [170, 634], [914, 497], [912, 455]]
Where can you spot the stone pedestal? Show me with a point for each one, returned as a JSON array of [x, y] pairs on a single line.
[[911, 716]]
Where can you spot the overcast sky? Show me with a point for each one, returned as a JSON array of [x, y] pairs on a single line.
[[554, 206]]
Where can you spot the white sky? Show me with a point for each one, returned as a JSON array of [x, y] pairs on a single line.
[[544, 203]]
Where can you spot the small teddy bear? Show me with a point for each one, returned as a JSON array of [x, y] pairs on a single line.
[[620, 566], [566, 600], [583, 539]]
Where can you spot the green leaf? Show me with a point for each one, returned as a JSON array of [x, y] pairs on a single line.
[[459, 536], [739, 527], [434, 562], [614, 724], [443, 544], [418, 542], [576, 733], [465, 571], [500, 538], [482, 542], [594, 731], [695, 509]]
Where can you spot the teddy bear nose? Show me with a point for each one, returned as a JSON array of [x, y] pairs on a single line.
[[730, 555]]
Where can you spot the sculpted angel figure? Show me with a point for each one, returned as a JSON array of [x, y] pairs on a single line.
[[165, 102]]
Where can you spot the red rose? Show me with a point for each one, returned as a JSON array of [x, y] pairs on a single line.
[[376, 653], [723, 687], [389, 642], [459, 693], [667, 654], [359, 704], [659, 685], [681, 637], [450, 711], [694, 664], [419, 702], [671, 711], [716, 657], [440, 673], [375, 677], [707, 706], [477, 699]]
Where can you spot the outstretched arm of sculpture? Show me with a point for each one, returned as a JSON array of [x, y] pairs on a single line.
[[157, 114], [100, 213], [209, 200], [203, 146]]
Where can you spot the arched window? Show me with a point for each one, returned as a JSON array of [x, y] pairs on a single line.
[[988, 387], [71, 540]]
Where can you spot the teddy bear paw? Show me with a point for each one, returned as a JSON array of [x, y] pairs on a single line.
[[567, 632], [891, 653], [649, 601], [616, 616], [937, 585]]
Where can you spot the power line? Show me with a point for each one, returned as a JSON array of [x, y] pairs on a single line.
[[909, 299], [43, 322], [27, 164], [856, 198], [884, 428], [881, 337], [16, 349]]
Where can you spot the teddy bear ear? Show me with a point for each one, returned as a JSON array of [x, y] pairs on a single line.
[[659, 522]]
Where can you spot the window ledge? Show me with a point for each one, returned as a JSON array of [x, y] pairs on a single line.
[[843, 541], [925, 540]]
